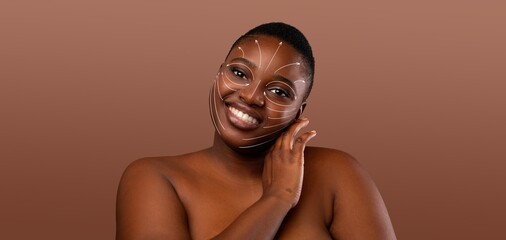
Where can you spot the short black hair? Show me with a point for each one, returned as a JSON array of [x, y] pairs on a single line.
[[290, 35]]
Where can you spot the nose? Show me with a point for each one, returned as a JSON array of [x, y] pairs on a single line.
[[252, 94]]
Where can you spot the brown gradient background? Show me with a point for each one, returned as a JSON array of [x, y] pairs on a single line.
[[415, 91]]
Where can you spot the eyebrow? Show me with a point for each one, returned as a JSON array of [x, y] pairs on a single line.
[[284, 80], [245, 61]]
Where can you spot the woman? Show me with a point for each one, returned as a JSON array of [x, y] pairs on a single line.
[[258, 180]]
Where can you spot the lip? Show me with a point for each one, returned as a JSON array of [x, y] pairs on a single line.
[[239, 123]]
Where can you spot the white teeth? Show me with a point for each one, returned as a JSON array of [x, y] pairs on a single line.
[[243, 116]]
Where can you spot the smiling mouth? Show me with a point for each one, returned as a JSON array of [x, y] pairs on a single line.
[[243, 116]]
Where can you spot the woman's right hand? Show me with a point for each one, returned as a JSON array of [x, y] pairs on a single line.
[[284, 164]]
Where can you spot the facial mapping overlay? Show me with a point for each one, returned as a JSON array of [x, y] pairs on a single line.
[[269, 84]]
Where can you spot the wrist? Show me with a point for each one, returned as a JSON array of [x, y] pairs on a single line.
[[282, 203]]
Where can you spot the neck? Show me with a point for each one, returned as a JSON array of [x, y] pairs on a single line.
[[242, 165]]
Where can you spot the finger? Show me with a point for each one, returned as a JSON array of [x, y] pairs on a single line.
[[277, 144], [292, 132], [300, 142]]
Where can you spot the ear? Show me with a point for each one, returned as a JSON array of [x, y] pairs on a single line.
[[301, 109]]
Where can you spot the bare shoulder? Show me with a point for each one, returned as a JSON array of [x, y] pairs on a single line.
[[333, 169], [358, 208], [328, 156], [331, 163], [168, 167], [148, 206], [147, 166]]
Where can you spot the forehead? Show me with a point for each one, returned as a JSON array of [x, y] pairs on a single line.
[[270, 53]]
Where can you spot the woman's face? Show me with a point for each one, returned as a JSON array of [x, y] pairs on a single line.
[[258, 92]]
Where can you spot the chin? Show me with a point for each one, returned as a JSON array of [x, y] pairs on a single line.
[[233, 139], [252, 151]]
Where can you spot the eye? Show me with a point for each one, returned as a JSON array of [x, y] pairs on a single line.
[[279, 92], [239, 73]]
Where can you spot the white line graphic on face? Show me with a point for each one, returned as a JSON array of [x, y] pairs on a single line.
[[252, 74], [283, 105], [279, 104], [226, 85], [211, 110], [215, 108], [293, 91], [287, 65], [238, 84], [279, 124], [235, 86], [218, 88], [273, 102], [274, 110], [241, 51], [287, 116], [260, 64], [291, 110], [242, 64], [260, 53], [279, 45], [255, 145], [284, 83]]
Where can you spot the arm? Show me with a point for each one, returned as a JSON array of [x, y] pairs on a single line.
[[359, 210], [282, 185]]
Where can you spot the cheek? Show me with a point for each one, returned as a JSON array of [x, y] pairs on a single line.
[[225, 85], [280, 116]]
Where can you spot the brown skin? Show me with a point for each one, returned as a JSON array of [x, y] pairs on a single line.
[[282, 191]]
